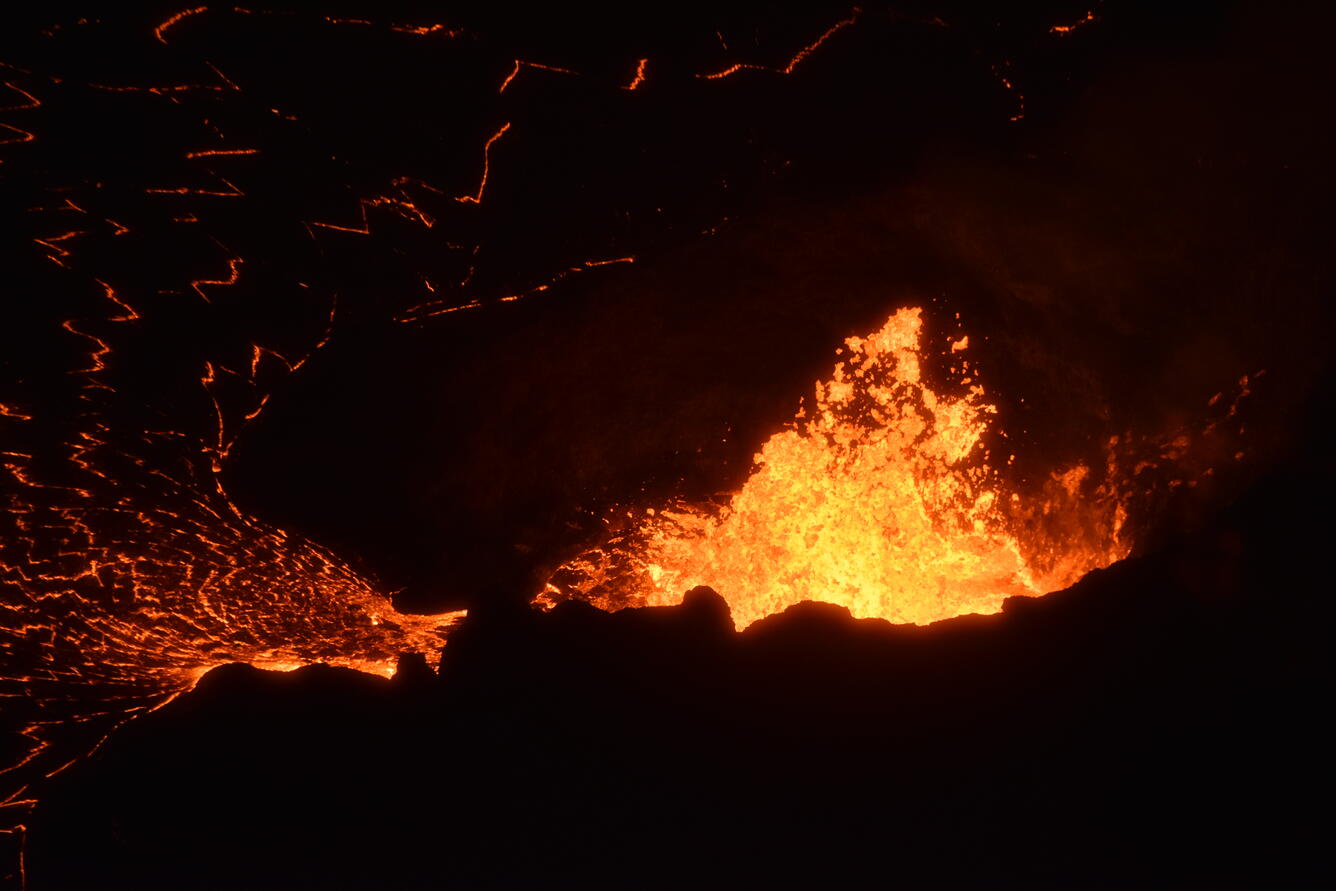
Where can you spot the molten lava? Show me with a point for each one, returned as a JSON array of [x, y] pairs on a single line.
[[882, 499], [116, 607]]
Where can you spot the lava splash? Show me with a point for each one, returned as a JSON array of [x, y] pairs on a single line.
[[882, 498]]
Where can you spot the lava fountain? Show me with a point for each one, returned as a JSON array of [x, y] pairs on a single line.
[[883, 497]]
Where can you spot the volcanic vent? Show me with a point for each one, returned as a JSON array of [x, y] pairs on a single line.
[[884, 495]]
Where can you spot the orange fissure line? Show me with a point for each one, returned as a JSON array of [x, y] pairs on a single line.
[[9, 411], [797, 59], [216, 153], [522, 63], [172, 20], [1067, 29], [234, 267], [24, 135], [433, 308], [639, 77], [476, 198], [33, 101], [206, 193]]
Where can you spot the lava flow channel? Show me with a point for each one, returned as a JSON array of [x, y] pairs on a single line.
[[881, 499]]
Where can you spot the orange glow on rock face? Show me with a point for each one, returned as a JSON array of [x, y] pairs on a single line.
[[879, 497]]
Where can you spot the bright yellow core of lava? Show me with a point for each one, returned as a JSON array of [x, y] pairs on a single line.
[[880, 499]]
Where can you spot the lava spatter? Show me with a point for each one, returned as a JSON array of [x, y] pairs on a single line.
[[879, 496]]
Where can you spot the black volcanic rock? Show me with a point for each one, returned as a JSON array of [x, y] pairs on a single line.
[[413, 672], [1131, 731]]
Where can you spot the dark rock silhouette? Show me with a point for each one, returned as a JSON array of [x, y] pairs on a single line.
[[413, 672], [1135, 730]]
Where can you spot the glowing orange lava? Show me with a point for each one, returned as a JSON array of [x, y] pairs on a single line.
[[881, 499]]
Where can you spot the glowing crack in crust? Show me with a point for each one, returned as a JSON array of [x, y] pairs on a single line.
[[798, 58], [1089, 18], [435, 308], [638, 79]]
